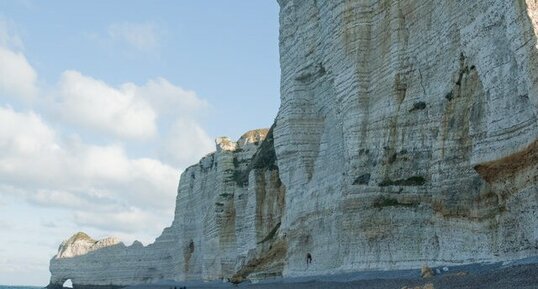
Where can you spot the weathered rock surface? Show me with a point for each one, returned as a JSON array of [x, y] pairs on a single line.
[[228, 212], [81, 244], [408, 132], [407, 135]]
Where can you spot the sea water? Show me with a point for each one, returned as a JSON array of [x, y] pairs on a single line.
[[20, 287]]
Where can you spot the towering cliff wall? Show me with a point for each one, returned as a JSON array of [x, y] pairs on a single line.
[[407, 134]]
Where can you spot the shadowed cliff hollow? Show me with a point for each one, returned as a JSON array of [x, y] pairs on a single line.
[[407, 134]]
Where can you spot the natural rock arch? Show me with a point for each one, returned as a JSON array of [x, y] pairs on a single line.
[[67, 284]]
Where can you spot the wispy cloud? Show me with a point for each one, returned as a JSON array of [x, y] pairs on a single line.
[[185, 139], [4, 225], [17, 76], [168, 98], [129, 221], [9, 37], [143, 37]]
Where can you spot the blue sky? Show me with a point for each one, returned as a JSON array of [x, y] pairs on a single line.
[[103, 103]]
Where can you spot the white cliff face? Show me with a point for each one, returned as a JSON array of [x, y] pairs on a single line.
[[408, 132], [228, 213], [407, 135]]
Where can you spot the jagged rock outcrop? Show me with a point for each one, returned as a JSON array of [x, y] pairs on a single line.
[[81, 244], [407, 135]]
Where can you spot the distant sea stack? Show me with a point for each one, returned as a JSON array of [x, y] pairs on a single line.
[[407, 135]]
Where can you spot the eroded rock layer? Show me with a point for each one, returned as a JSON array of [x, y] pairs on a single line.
[[408, 132], [228, 212], [407, 135]]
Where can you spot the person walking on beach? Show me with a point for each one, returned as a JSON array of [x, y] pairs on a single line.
[[308, 259]]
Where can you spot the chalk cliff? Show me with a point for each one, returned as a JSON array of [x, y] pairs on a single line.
[[407, 134], [228, 212]]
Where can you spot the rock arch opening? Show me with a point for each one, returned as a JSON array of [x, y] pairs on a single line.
[[68, 284]]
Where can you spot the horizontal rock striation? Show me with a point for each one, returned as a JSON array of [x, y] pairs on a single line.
[[408, 132], [407, 135], [228, 213]]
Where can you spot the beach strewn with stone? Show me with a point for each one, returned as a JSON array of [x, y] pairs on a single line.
[[515, 276]]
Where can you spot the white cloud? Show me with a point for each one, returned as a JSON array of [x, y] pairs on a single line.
[[131, 221], [27, 133], [26, 148], [59, 199], [94, 182], [4, 225], [185, 143], [130, 112], [17, 76], [94, 104], [141, 36], [168, 98]]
